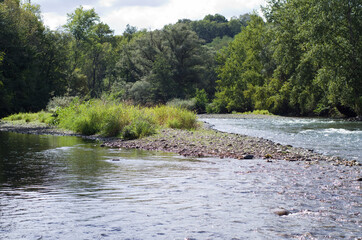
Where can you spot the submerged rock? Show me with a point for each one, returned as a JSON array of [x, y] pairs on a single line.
[[281, 212]]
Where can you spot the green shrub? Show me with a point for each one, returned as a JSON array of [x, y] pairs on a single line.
[[42, 117], [138, 129], [258, 112], [175, 117], [113, 119], [174, 123], [182, 103], [60, 102], [201, 100]]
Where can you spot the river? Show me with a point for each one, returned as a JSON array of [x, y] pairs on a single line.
[[57, 187], [327, 136]]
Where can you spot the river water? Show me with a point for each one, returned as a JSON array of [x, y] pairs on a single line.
[[331, 137], [54, 187]]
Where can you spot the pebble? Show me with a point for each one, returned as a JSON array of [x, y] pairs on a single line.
[[249, 156], [281, 212]]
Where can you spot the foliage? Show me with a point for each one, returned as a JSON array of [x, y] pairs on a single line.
[[182, 103], [112, 119], [31, 61], [240, 68], [305, 60], [59, 102], [93, 54], [220, 43], [217, 26], [201, 100], [256, 112], [40, 117], [138, 129], [166, 64]]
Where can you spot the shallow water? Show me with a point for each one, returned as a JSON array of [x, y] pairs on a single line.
[[331, 137], [67, 188]]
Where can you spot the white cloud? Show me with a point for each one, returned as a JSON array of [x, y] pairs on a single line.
[[142, 14], [88, 7], [157, 17], [106, 3], [54, 20]]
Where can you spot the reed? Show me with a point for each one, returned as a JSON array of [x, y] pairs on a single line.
[[126, 121]]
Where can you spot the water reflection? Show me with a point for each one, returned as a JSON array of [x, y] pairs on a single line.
[[81, 192]]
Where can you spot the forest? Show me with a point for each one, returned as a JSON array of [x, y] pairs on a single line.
[[301, 58]]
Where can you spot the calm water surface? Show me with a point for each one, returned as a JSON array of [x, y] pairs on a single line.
[[67, 188], [331, 137]]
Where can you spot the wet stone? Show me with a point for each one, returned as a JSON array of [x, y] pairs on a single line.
[[281, 212]]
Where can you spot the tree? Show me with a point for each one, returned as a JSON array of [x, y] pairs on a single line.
[[305, 60], [27, 74], [240, 68], [317, 50], [173, 60], [92, 51]]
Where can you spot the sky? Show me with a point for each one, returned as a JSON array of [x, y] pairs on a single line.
[[148, 14]]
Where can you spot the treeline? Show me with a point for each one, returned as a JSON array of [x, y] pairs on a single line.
[[84, 58], [304, 60]]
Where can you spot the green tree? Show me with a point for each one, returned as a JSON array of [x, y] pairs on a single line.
[[173, 60], [28, 74], [318, 53], [93, 52], [241, 68]]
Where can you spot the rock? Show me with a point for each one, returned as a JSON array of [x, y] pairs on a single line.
[[103, 145], [359, 179], [249, 156], [281, 212], [115, 160]]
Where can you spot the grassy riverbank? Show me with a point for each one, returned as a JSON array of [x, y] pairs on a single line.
[[110, 119], [200, 141]]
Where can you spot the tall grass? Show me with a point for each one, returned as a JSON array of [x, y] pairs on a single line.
[[126, 121], [256, 112], [42, 117], [112, 119]]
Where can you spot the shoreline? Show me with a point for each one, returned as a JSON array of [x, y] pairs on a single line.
[[205, 142]]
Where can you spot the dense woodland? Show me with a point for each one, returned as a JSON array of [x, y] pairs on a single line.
[[303, 57]]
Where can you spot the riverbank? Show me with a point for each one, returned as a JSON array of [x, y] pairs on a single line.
[[204, 142], [44, 129], [211, 143]]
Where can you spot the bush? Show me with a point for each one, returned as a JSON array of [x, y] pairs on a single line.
[[182, 103], [112, 119], [42, 117], [258, 112], [201, 100], [175, 117], [60, 102], [114, 122], [138, 129]]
